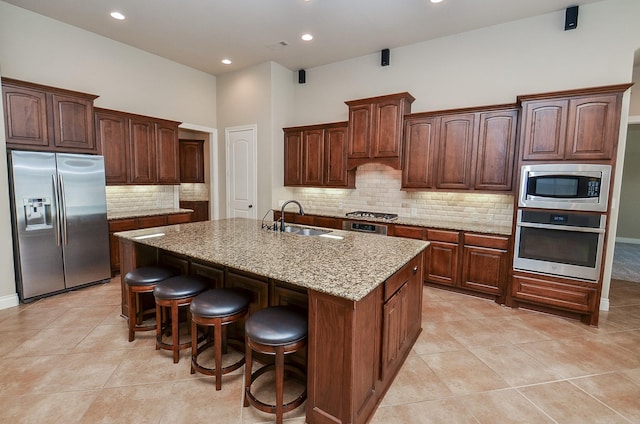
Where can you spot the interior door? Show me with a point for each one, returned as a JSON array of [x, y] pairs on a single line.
[[241, 171]]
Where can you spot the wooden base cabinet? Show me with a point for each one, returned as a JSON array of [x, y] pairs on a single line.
[[442, 257], [577, 298], [485, 263], [370, 339]]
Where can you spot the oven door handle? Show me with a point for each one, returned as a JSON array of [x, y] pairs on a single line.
[[561, 227]]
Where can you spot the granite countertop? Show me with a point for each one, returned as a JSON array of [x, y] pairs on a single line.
[[480, 227], [146, 212], [349, 266]]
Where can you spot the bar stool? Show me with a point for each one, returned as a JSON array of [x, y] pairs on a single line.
[[215, 309], [174, 293], [278, 331], [138, 281]]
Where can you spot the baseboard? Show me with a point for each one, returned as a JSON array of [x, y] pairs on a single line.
[[9, 301], [627, 240], [604, 304]]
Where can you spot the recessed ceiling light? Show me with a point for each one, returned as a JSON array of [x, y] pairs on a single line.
[[436, 1], [226, 61], [307, 37], [117, 15]]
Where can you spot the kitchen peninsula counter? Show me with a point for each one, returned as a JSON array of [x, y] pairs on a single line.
[[364, 298]]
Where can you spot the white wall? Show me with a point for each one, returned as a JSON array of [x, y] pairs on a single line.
[[41, 50], [487, 66]]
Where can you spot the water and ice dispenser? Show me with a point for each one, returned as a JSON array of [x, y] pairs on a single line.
[[37, 213]]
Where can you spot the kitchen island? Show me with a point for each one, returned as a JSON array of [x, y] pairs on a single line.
[[363, 293]]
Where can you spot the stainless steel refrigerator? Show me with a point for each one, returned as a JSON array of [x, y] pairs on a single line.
[[60, 230]]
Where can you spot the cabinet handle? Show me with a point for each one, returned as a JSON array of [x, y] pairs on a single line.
[[415, 269]]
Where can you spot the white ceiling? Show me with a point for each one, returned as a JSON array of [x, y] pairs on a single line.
[[200, 33]]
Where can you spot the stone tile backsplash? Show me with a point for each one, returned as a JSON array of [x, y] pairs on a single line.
[[141, 197], [378, 188], [194, 191]]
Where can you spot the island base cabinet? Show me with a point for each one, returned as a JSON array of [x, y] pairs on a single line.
[[357, 348]]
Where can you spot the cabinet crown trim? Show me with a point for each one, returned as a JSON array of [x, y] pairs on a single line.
[[617, 88]]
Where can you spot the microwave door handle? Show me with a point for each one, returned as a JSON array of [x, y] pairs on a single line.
[[561, 227]]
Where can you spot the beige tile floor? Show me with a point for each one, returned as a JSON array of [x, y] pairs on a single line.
[[66, 359]]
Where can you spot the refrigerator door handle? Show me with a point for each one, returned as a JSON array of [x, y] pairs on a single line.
[[57, 214], [63, 210]]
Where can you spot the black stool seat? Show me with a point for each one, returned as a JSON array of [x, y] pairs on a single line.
[[216, 309], [219, 303], [277, 331], [277, 325], [140, 282], [173, 293], [148, 275], [179, 287]]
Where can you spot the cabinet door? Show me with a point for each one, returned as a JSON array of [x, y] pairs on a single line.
[[73, 123], [360, 117], [292, 158], [442, 257], [544, 131], [592, 129], [25, 113], [420, 135], [200, 209], [484, 269], [395, 332], [496, 150], [142, 149], [335, 161], [114, 243], [112, 136], [387, 132], [259, 289], [312, 157], [167, 171], [191, 161], [454, 151]]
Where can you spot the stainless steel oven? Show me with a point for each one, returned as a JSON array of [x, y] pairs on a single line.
[[364, 227], [565, 186], [560, 243]]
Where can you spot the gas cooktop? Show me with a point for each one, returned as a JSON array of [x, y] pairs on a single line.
[[378, 215]]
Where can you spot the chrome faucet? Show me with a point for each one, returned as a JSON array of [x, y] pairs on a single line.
[[282, 211]]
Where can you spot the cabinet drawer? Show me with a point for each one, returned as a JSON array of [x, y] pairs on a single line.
[[561, 295], [399, 278], [443, 235], [483, 240], [152, 221], [122, 225], [179, 218], [408, 232]]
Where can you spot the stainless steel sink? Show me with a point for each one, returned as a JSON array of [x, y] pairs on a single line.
[[304, 231]]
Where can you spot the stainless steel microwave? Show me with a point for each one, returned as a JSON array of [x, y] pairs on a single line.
[[565, 186]]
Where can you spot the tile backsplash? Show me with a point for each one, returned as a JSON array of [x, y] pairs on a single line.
[[194, 191], [141, 197], [378, 188]]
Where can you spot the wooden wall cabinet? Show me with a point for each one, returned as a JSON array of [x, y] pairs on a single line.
[[315, 156], [571, 125], [469, 149], [137, 149], [191, 161], [375, 129], [43, 118]]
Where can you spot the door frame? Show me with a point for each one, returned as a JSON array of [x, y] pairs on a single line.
[[254, 141], [214, 191]]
